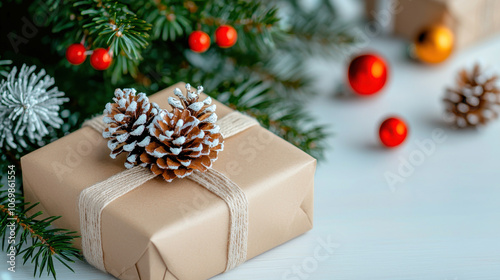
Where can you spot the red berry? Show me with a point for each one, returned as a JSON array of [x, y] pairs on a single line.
[[100, 59], [226, 36], [199, 41], [367, 74], [393, 132], [75, 54]]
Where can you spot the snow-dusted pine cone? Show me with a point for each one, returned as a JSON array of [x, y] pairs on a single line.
[[474, 101], [185, 139], [127, 120]]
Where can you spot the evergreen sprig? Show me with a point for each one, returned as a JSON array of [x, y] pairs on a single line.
[[317, 31], [281, 116], [257, 22], [170, 19], [37, 241], [113, 25], [272, 47]]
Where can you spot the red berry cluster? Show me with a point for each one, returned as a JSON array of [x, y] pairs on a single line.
[[100, 58], [225, 37]]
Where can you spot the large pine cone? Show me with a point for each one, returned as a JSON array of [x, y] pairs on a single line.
[[475, 100], [127, 120], [185, 139]]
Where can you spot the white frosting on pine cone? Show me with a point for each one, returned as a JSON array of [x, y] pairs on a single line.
[[172, 144], [187, 138], [127, 119], [474, 101]]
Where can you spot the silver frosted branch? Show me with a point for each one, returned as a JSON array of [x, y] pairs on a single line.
[[29, 106]]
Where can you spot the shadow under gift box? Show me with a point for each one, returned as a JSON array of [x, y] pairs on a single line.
[[177, 230]]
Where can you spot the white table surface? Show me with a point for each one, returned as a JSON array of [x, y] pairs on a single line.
[[441, 223]]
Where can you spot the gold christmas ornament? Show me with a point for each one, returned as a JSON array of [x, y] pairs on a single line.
[[475, 100], [434, 44]]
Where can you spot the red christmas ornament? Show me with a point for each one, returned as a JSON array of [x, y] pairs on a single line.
[[199, 41], [75, 54], [100, 59], [226, 36], [367, 74], [393, 132]]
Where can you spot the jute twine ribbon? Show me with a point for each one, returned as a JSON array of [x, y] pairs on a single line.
[[94, 199]]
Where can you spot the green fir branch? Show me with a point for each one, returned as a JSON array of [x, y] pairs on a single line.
[[275, 40], [316, 31], [257, 22], [113, 25], [282, 116], [169, 19], [37, 241]]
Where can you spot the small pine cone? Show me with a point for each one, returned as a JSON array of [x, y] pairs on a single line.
[[474, 101], [185, 139], [127, 120]]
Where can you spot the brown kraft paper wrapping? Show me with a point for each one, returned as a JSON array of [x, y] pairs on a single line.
[[177, 230], [470, 21]]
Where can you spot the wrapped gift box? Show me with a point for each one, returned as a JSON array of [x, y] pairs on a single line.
[[470, 21], [177, 230]]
